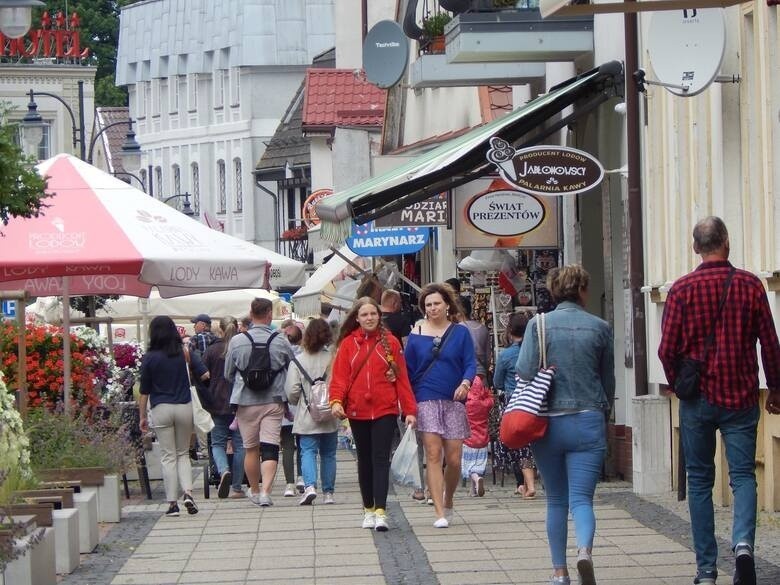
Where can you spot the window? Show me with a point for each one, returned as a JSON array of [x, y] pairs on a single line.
[[235, 86], [192, 92], [155, 97], [238, 187], [176, 180], [219, 88], [195, 188], [221, 187], [140, 99], [144, 180], [176, 83], [158, 184]]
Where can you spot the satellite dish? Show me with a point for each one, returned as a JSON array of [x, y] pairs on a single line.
[[385, 54], [686, 48]]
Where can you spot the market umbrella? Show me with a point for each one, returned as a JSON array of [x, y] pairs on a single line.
[[99, 235]]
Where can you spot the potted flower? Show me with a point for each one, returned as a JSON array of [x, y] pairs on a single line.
[[433, 26], [295, 233]]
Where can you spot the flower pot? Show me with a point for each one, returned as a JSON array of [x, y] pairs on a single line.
[[37, 566]]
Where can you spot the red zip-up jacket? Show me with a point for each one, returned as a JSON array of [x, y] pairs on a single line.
[[478, 405], [371, 395]]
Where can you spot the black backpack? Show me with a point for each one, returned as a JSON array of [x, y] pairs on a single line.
[[259, 374]]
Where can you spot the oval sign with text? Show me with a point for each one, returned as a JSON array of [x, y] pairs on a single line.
[[505, 213], [548, 170]]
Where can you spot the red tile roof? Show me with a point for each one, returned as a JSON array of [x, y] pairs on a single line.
[[338, 97]]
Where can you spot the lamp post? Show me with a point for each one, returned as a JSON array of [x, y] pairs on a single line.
[[32, 125], [187, 210], [16, 17]]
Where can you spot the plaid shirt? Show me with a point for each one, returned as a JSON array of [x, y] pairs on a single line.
[[730, 377]]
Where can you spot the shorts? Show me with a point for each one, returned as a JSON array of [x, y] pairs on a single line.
[[443, 417], [260, 423]]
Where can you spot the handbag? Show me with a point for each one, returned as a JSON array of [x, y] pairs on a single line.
[[687, 379], [319, 405], [523, 420], [200, 416]]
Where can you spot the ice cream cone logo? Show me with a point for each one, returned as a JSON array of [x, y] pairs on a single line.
[[501, 154]]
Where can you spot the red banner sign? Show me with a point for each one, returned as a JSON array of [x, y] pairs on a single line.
[[51, 40]]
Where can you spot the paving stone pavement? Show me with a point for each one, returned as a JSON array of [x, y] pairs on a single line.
[[498, 539]]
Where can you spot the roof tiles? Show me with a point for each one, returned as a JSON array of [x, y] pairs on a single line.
[[338, 97]]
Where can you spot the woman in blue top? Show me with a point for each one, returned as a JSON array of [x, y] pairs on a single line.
[[441, 364], [520, 461], [569, 456], [166, 384]]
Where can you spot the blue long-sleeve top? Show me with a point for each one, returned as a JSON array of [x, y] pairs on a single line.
[[456, 362], [504, 376]]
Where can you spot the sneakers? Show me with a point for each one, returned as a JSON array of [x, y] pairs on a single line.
[[441, 523], [560, 580], [173, 510], [224, 485], [585, 567], [237, 494], [262, 500], [705, 578], [189, 503], [745, 568], [329, 498], [369, 519], [289, 491], [299, 484], [380, 520], [309, 495]]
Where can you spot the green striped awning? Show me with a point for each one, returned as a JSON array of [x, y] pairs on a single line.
[[461, 159]]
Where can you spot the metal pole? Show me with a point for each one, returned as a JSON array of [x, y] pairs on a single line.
[[82, 129], [636, 268], [66, 357], [276, 215], [149, 179]]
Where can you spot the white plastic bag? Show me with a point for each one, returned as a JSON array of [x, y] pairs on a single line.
[[200, 416], [404, 468]]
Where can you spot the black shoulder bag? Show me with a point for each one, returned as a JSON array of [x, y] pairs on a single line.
[[687, 380]]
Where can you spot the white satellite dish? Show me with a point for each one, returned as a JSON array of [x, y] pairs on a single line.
[[686, 48]]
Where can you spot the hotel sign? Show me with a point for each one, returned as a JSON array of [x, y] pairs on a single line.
[[52, 40]]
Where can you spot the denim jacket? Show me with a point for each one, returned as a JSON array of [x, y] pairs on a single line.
[[580, 346]]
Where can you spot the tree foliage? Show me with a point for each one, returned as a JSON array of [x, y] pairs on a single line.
[[100, 34], [21, 188]]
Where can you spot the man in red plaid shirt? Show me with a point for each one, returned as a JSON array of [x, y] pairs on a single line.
[[729, 390]]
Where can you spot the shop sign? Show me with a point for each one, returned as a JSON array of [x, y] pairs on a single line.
[[310, 217], [490, 213], [369, 240], [545, 170], [429, 212]]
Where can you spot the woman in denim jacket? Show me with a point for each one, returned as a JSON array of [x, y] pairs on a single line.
[[571, 453]]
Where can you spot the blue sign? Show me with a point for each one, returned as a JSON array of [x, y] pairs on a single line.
[[369, 240], [8, 308]]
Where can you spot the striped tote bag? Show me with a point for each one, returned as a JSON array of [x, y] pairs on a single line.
[[523, 420]]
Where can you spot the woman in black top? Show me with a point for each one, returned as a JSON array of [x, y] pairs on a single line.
[[165, 384]]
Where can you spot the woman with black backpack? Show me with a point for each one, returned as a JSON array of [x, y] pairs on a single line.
[[318, 434]]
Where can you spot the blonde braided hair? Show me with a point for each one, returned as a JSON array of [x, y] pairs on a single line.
[[386, 346]]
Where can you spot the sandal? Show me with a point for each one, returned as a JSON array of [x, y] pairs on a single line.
[[520, 490], [418, 495], [529, 495]]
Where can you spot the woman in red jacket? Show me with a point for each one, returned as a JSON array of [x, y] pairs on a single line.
[[368, 382]]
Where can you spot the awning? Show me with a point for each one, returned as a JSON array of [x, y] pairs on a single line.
[[462, 159], [306, 301]]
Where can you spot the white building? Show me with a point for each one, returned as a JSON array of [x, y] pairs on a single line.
[[208, 83]]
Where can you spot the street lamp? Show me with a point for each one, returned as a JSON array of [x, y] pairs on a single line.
[[16, 17], [187, 210], [32, 127]]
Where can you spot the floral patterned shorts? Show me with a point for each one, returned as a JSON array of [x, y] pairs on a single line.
[[443, 417]]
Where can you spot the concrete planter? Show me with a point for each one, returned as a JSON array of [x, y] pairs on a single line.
[[37, 566], [88, 521], [109, 499]]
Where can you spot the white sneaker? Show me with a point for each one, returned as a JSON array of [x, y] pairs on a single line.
[[329, 498], [289, 491], [299, 484], [309, 495], [441, 523], [369, 519], [380, 521]]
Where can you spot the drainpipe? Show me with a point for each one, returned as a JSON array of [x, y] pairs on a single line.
[[275, 197], [636, 269], [363, 20]]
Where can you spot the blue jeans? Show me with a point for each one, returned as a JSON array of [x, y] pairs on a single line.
[[698, 421], [569, 457], [219, 438], [325, 444]]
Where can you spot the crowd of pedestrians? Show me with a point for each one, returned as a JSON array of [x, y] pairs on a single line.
[[382, 372]]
